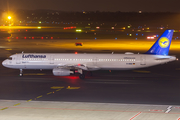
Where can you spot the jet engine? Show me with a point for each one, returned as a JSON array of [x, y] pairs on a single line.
[[61, 72]]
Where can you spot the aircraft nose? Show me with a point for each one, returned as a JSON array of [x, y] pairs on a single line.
[[4, 63]]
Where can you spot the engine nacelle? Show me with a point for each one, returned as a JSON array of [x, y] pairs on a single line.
[[61, 72]]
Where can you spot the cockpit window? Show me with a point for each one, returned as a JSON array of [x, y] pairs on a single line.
[[10, 58]]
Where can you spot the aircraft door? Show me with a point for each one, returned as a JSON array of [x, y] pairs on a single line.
[[52, 59], [143, 60], [95, 61], [18, 59]]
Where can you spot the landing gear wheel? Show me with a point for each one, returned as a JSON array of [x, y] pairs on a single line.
[[82, 76], [21, 72]]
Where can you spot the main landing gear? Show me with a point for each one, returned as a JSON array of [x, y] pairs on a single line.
[[21, 72], [81, 76]]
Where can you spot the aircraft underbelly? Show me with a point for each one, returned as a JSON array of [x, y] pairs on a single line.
[[40, 66], [22, 66]]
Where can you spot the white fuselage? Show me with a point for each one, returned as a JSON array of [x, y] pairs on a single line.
[[90, 61]]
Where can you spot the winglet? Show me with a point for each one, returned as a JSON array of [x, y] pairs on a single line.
[[162, 45]]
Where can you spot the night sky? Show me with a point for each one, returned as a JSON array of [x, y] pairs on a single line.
[[94, 5]]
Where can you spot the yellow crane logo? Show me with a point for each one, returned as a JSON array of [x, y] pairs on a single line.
[[164, 42]]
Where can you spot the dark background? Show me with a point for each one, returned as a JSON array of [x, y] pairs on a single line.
[[94, 5]]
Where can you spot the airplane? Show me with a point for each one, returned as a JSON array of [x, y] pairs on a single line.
[[64, 64]]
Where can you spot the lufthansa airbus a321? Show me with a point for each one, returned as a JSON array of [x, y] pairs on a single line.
[[65, 64]]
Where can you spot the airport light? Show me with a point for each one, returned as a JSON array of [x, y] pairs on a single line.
[[9, 17], [150, 37], [97, 27], [78, 30]]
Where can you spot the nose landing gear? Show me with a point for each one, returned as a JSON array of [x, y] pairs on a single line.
[[21, 72]]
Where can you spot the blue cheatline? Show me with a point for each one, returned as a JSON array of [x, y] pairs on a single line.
[[162, 45]]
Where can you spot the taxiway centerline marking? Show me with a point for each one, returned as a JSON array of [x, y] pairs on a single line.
[[17, 104], [39, 96], [4, 108], [29, 100]]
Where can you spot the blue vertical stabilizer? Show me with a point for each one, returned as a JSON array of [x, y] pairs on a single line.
[[162, 45]]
